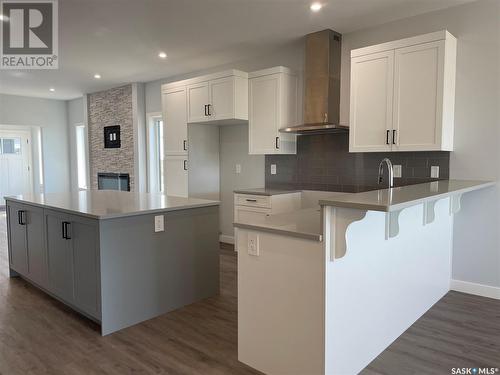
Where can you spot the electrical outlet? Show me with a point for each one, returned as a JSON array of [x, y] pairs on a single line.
[[397, 171], [273, 168], [253, 244], [159, 223], [435, 171], [238, 168]]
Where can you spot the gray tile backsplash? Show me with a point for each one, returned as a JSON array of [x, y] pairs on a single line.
[[323, 162]]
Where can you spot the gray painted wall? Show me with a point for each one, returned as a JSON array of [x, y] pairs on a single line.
[[52, 117], [234, 150], [476, 256]]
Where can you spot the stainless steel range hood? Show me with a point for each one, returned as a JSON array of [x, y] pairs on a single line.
[[322, 85]]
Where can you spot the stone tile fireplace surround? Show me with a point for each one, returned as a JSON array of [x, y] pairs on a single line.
[[116, 106]]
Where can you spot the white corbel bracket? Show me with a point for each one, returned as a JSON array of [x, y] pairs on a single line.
[[392, 224], [455, 203], [336, 221]]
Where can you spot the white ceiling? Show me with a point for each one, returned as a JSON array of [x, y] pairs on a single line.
[[120, 39]]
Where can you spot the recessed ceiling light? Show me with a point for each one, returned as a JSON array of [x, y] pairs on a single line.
[[97, 76], [52, 89], [162, 55], [316, 7]]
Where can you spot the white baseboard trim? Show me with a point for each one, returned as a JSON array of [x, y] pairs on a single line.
[[226, 239], [476, 289]]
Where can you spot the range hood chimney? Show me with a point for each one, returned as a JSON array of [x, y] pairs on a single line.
[[322, 85]]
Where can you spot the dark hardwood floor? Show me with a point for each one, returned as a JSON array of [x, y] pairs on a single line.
[[39, 335]]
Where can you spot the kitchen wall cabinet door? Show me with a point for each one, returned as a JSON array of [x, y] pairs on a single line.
[[60, 256], [222, 99], [372, 80], [18, 257], [272, 106], [418, 83], [174, 104], [176, 175], [403, 95], [198, 101]]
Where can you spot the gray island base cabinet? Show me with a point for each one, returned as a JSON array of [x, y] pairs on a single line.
[[116, 270]]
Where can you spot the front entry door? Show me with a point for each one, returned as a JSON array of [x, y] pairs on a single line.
[[15, 168]]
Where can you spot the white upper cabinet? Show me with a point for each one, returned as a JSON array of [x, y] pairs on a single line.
[[371, 101], [217, 98], [272, 106], [197, 102], [175, 120], [403, 95]]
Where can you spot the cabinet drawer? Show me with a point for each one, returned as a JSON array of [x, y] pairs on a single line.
[[253, 200], [250, 215]]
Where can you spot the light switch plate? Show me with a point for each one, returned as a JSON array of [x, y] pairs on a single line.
[[273, 168], [397, 171], [159, 223], [238, 168], [435, 171], [253, 244]]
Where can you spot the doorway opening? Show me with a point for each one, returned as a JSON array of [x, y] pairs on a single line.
[[16, 171]]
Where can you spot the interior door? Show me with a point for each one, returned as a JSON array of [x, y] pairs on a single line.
[[176, 176], [418, 83], [198, 100], [372, 80], [60, 256], [263, 114], [175, 121], [222, 98], [15, 156]]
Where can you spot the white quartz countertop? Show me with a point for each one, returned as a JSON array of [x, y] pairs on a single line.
[[108, 204], [395, 199]]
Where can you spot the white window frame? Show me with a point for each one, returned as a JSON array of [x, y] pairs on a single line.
[[85, 186], [153, 154]]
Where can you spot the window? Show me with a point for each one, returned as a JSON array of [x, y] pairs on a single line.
[[81, 156], [10, 146], [156, 153], [161, 155]]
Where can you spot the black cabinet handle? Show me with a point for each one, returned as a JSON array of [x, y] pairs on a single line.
[[251, 200], [184, 145], [277, 143], [208, 108], [394, 137], [19, 217], [387, 137], [185, 165], [65, 230], [206, 113]]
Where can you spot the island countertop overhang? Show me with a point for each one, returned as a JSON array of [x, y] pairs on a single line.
[[398, 198], [107, 204]]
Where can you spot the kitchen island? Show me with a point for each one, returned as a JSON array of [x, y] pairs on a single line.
[[339, 290], [118, 258]]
